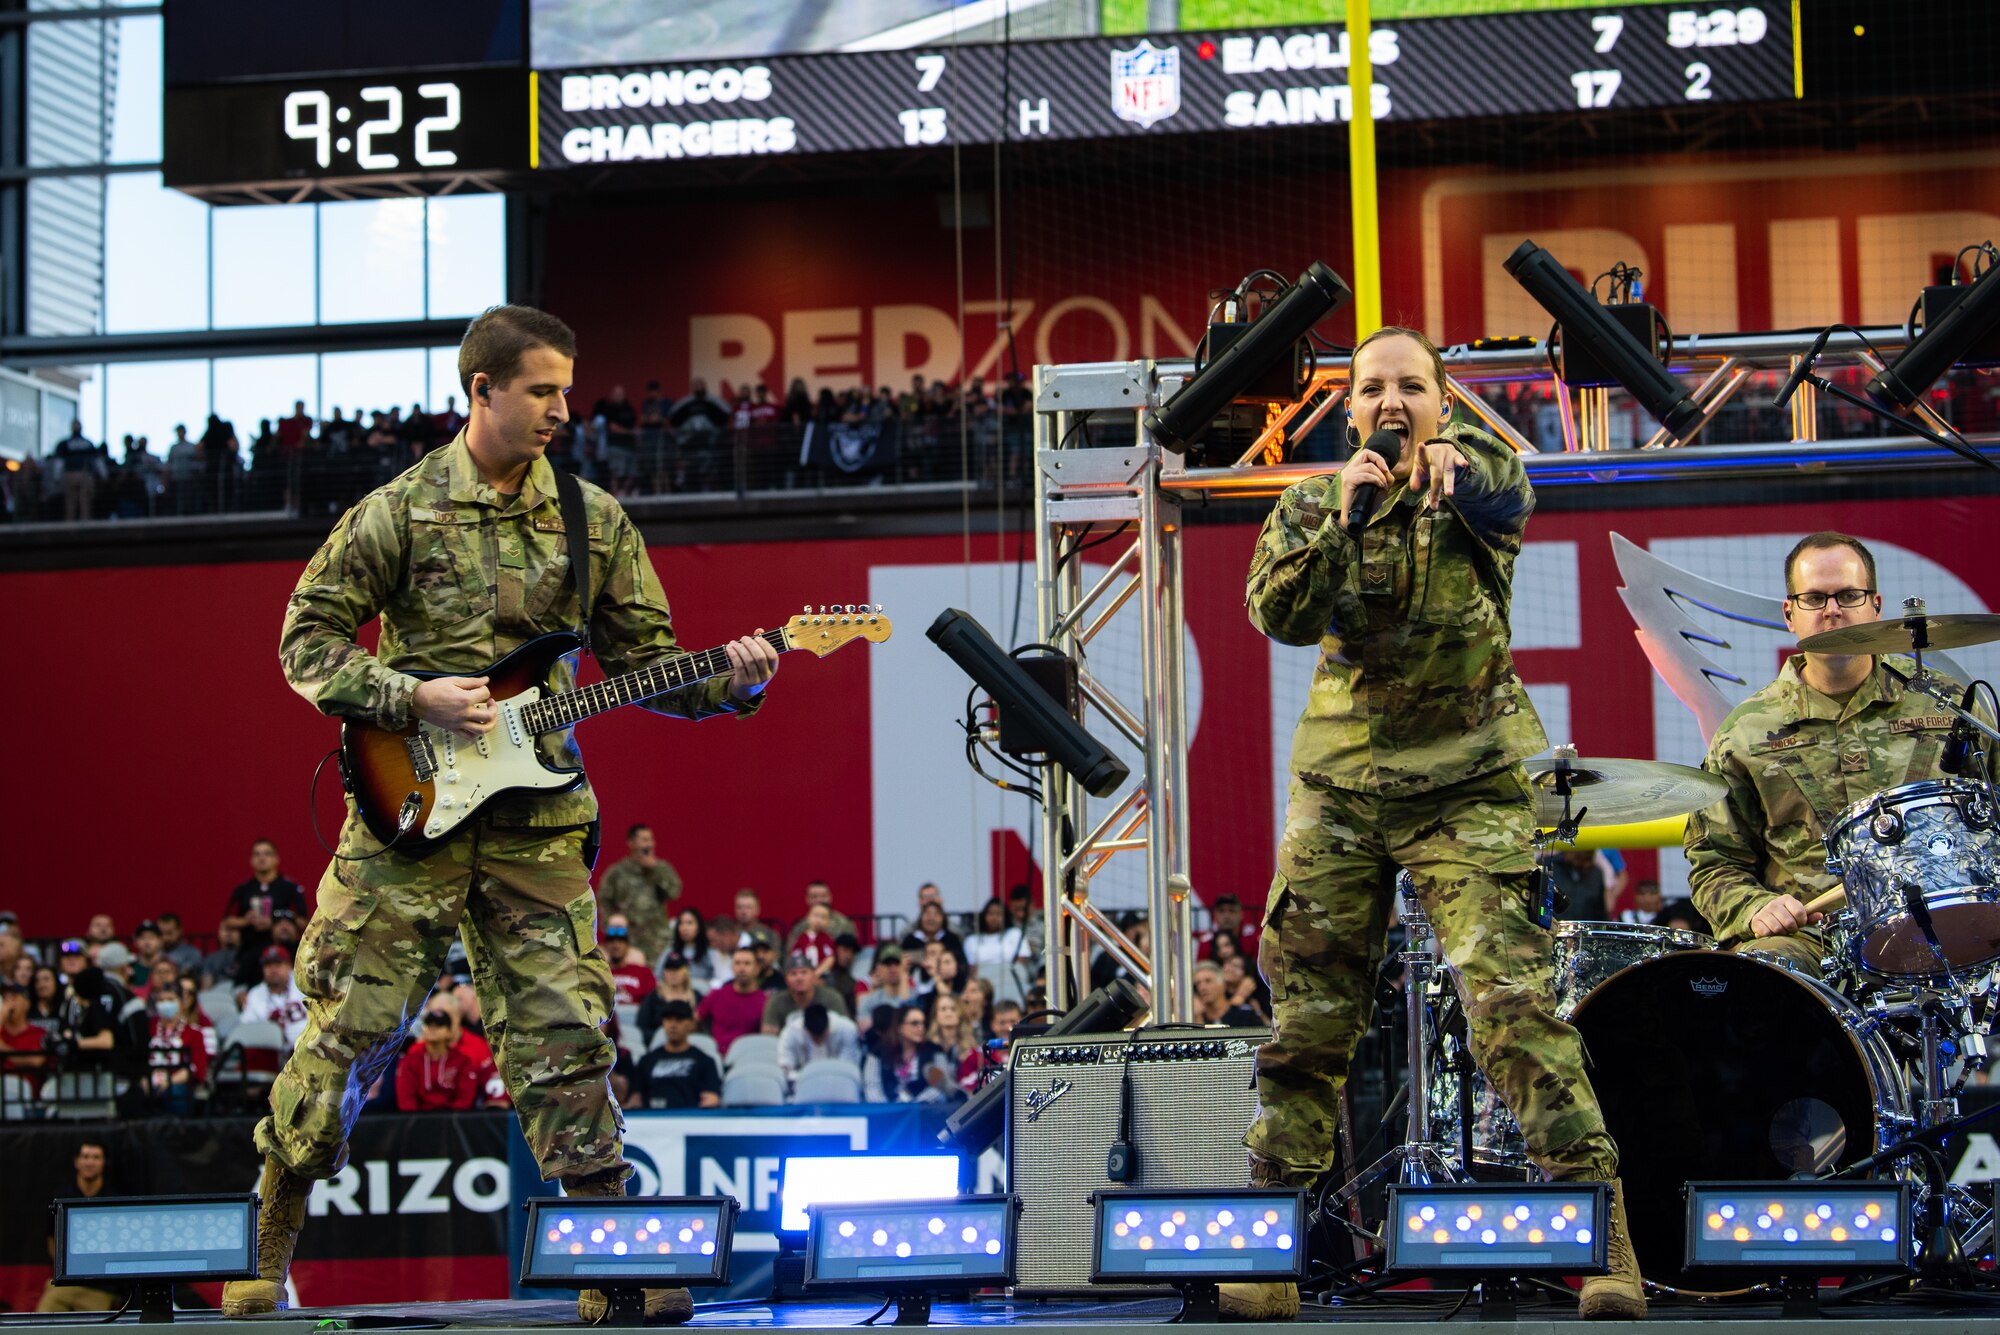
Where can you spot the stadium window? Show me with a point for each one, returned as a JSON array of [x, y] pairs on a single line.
[[149, 398], [466, 253], [249, 389], [137, 89], [156, 257], [371, 262], [362, 382], [263, 266], [444, 379]]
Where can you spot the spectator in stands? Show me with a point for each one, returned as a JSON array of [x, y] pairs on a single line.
[[45, 1000], [183, 952], [946, 969], [678, 1074], [931, 927], [116, 961], [798, 406], [1647, 904], [12, 949], [653, 435], [887, 981], [163, 979], [1579, 884], [703, 422], [673, 985], [621, 426], [451, 421], [999, 950], [92, 1001], [768, 975], [23, 1051], [82, 468], [176, 1056], [90, 1163], [251, 905], [1246, 988], [840, 974], [434, 1075], [277, 999], [1104, 967], [736, 1009], [802, 988], [687, 937], [813, 937], [184, 472], [190, 998], [222, 964], [1022, 913], [23, 971], [949, 1034], [286, 929], [976, 1001], [102, 929], [145, 948], [819, 892], [629, 975], [1212, 1004], [1226, 919], [1682, 913], [907, 1067], [640, 885], [723, 937], [750, 923], [817, 1033]]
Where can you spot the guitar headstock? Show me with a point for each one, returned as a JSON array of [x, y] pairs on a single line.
[[835, 624]]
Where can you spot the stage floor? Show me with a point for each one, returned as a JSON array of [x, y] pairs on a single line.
[[1402, 1314]]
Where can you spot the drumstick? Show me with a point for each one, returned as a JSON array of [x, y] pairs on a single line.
[[1827, 902]]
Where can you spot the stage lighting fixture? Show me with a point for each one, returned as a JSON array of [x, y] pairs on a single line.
[[1590, 331], [624, 1245], [1799, 1229], [1498, 1229], [808, 1180], [1951, 339], [1195, 1240], [1062, 738], [151, 1242], [1179, 422], [913, 1250]]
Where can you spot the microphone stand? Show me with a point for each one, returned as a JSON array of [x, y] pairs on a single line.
[[1915, 428]]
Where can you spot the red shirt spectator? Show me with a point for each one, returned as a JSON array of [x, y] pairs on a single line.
[[19, 1035], [176, 1044], [629, 974], [737, 1007], [436, 1082], [815, 945], [1227, 916]]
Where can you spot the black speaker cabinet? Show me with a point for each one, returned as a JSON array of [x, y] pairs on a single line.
[[1194, 1095]]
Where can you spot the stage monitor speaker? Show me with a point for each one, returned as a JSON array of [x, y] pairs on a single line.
[[1194, 1095]]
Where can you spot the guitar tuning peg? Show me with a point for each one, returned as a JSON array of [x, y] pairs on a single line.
[[807, 610], [849, 609], [878, 609], [822, 609]]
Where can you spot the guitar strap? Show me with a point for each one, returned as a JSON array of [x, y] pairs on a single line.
[[576, 541]]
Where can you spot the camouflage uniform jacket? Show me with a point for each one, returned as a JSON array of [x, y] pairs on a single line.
[[461, 576], [642, 894], [1795, 760], [1415, 688]]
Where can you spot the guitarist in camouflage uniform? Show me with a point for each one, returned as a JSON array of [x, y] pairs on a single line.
[[1409, 755], [464, 558]]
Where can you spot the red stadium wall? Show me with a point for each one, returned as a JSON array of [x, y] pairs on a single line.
[[153, 736], [863, 287]]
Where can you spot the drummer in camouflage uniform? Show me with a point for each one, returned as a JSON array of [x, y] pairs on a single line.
[[1409, 755], [464, 558], [1830, 731]]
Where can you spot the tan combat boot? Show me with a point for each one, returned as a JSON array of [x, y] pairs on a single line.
[[281, 1213], [664, 1307], [1261, 1302], [1619, 1295]]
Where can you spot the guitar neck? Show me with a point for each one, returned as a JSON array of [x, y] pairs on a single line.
[[567, 708]]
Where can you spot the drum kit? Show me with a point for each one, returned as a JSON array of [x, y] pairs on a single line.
[[1714, 1065]]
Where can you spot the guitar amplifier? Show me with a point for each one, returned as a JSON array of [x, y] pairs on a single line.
[[1194, 1095]]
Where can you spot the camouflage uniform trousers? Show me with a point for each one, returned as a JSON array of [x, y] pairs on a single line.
[[1467, 848], [375, 947]]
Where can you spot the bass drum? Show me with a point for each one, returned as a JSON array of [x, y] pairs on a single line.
[[1718, 1067]]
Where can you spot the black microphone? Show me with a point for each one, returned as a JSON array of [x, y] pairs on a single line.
[[1920, 913], [1803, 369], [1368, 495], [1958, 743]]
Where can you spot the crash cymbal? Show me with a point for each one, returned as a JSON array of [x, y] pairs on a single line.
[[1950, 630], [1623, 791]]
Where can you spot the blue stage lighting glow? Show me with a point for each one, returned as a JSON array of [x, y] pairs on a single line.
[[1199, 1236], [1799, 1228], [158, 1237], [1553, 1228], [959, 1243], [575, 1242], [808, 1180]]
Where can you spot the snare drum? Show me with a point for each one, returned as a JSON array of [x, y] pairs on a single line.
[[1921, 850]]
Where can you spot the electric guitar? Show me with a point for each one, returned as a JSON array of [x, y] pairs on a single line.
[[415, 785]]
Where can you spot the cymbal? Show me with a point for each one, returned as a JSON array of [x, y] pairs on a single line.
[[1623, 791], [1950, 630]]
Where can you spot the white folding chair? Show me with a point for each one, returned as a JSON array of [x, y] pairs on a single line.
[[756, 1049], [753, 1087]]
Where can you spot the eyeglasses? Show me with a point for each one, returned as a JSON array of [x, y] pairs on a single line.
[[1813, 600], [437, 1017]]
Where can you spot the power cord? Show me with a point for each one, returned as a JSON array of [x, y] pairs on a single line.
[[406, 818]]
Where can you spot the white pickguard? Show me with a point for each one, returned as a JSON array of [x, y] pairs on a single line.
[[470, 771]]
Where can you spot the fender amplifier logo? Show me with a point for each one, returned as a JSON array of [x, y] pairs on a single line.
[[1039, 1101], [1707, 987]]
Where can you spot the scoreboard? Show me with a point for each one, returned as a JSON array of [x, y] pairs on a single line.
[[348, 129], [1434, 69]]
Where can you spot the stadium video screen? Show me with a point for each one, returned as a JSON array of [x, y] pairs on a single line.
[[568, 33]]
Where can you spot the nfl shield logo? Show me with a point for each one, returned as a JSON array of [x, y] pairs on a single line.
[[1146, 82]]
